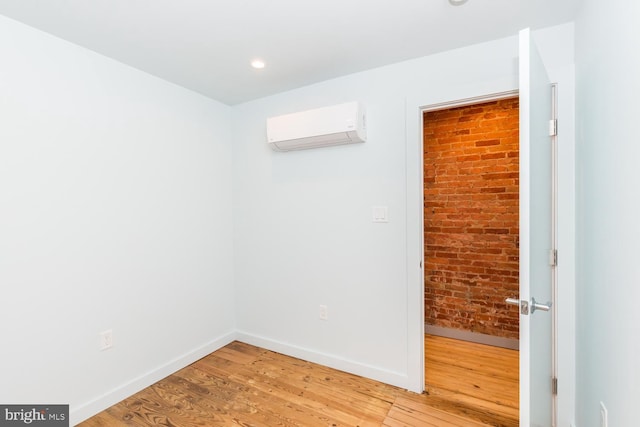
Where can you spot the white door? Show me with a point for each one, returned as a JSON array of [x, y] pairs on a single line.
[[537, 240]]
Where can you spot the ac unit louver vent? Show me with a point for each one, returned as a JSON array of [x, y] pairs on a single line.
[[322, 127]]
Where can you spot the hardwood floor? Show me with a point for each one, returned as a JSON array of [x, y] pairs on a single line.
[[248, 386], [478, 380]]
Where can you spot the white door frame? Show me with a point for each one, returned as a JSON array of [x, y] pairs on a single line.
[[423, 98], [415, 108]]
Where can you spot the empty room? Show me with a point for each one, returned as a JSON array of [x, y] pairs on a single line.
[[226, 213]]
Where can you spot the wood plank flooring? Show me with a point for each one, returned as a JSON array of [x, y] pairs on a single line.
[[474, 379], [245, 385]]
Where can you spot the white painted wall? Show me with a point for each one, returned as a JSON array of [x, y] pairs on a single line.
[[303, 230], [608, 206], [115, 212]]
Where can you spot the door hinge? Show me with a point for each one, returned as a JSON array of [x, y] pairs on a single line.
[[553, 127], [554, 386], [553, 257]]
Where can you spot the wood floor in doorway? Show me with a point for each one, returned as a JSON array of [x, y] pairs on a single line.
[[243, 385], [476, 380]]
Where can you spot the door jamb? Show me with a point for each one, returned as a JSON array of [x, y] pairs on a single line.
[[415, 109]]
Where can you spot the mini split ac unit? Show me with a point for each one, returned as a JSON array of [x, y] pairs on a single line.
[[322, 127]]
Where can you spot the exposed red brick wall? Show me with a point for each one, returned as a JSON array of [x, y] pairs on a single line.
[[471, 217]]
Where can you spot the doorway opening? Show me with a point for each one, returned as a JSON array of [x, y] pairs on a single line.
[[471, 257]]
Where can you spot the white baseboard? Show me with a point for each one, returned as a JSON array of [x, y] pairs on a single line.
[[397, 379], [82, 412], [460, 334]]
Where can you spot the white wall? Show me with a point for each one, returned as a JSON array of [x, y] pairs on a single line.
[[115, 212], [303, 230], [607, 111]]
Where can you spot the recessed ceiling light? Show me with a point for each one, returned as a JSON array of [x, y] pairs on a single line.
[[258, 63], [457, 2]]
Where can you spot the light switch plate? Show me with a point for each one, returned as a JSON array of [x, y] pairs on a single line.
[[380, 214]]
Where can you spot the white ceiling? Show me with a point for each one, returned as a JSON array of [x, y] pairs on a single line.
[[207, 45]]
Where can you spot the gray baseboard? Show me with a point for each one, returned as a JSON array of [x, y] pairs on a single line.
[[459, 334]]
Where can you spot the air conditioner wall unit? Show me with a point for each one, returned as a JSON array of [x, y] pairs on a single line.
[[321, 127]]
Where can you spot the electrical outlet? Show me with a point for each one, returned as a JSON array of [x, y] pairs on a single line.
[[106, 339], [604, 416], [324, 312]]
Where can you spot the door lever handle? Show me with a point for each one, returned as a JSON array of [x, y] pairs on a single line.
[[537, 306], [526, 307]]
